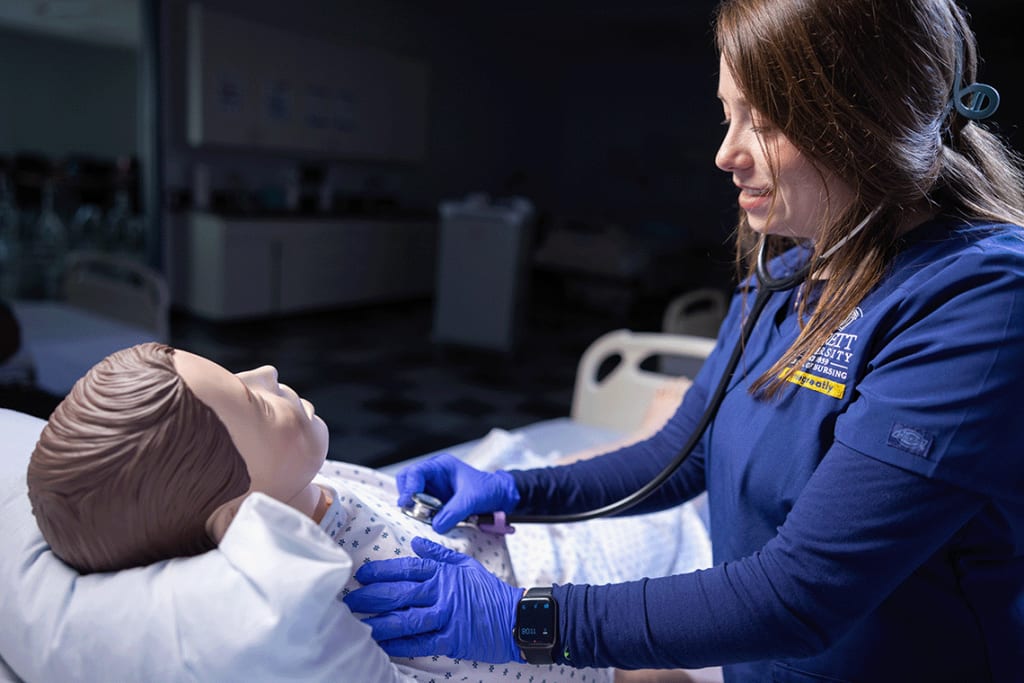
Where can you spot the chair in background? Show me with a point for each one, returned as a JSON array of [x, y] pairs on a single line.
[[118, 287], [698, 312]]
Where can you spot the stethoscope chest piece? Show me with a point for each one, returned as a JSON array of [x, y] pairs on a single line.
[[423, 507]]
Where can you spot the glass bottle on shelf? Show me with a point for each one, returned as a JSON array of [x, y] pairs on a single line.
[[50, 243], [86, 227], [10, 241], [121, 227]]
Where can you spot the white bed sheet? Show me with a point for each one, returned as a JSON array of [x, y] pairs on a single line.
[[674, 541], [65, 341], [6, 675], [599, 551]]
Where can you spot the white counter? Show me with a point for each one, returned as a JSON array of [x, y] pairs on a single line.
[[228, 268]]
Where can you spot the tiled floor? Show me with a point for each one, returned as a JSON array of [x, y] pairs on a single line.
[[388, 393]]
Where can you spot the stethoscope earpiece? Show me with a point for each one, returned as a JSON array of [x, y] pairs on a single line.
[[977, 101]]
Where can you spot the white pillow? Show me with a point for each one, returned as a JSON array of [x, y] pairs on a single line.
[[262, 606]]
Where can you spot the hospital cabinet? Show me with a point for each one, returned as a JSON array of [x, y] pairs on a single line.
[[226, 268]]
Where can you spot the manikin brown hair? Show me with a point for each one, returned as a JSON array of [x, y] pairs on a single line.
[[130, 466], [863, 88]]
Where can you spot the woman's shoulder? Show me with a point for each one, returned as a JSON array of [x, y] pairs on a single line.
[[958, 270], [948, 250], [960, 237]]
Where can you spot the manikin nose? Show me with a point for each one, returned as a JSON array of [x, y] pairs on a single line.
[[265, 376]]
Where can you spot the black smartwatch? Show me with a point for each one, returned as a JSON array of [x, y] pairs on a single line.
[[537, 626]]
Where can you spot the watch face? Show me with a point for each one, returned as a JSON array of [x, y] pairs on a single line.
[[536, 622]]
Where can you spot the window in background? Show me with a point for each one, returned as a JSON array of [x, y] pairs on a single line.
[[69, 144]]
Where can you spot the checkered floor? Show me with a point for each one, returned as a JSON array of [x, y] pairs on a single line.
[[387, 393]]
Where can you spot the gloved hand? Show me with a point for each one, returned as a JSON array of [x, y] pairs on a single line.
[[443, 604], [464, 490]]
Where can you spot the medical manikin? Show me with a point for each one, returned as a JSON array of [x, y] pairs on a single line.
[[154, 450]]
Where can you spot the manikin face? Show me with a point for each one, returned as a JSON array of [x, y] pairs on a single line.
[[799, 199], [281, 439]]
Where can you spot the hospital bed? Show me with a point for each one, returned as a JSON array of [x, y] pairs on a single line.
[[107, 302], [140, 624]]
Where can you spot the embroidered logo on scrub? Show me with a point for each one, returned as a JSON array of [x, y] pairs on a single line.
[[827, 369], [910, 439]]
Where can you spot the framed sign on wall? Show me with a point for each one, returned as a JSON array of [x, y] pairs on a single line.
[[261, 87]]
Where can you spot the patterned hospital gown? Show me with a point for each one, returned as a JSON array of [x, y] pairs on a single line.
[[364, 520]]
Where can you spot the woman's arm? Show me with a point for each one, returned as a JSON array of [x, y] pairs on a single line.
[[858, 531], [603, 479]]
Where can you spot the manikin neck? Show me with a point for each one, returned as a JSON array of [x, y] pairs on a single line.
[[311, 501]]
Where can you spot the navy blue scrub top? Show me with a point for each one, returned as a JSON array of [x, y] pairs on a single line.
[[868, 524]]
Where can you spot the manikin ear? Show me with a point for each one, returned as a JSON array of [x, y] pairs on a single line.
[[220, 519]]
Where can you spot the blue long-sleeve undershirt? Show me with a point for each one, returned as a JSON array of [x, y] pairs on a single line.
[[794, 598]]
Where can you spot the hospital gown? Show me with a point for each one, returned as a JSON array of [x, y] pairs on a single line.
[[364, 520]]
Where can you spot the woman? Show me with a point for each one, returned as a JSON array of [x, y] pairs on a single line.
[[865, 484]]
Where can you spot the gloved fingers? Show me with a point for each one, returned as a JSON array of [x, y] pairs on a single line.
[[448, 517], [409, 481], [415, 646], [429, 550], [396, 569], [407, 623], [433, 476], [461, 506], [395, 595]]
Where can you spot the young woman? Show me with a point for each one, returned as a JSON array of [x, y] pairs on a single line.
[[864, 472]]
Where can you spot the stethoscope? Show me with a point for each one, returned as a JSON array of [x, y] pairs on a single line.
[[425, 506], [976, 102], [766, 286]]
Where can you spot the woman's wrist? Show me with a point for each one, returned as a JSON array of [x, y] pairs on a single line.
[[511, 494]]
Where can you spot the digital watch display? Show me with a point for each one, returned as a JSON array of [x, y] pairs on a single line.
[[537, 626]]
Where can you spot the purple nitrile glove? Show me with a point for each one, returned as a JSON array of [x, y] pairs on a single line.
[[440, 603], [463, 489]]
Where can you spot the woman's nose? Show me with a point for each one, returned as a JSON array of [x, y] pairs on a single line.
[[733, 153]]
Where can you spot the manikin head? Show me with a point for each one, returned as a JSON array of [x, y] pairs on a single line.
[[153, 450]]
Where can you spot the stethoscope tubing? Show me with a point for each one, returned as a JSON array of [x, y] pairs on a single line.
[[767, 286]]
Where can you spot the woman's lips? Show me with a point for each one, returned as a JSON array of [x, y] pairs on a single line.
[[751, 199]]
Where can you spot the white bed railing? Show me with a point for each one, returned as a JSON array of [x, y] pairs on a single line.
[[619, 399]]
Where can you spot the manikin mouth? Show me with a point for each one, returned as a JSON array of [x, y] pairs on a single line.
[[308, 407]]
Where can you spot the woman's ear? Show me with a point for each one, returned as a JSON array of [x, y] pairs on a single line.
[[220, 519]]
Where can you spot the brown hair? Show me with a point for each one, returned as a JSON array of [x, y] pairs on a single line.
[[130, 465], [864, 89]]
